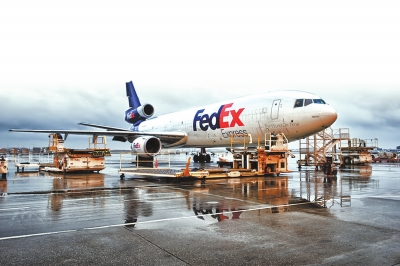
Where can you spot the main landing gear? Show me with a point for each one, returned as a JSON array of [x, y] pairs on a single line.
[[202, 156]]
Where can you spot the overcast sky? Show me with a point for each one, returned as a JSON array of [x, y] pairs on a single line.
[[64, 62]]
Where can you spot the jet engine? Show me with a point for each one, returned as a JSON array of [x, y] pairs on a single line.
[[135, 115], [146, 146]]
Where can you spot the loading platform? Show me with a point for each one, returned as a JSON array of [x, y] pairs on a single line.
[[267, 159], [191, 173], [66, 160]]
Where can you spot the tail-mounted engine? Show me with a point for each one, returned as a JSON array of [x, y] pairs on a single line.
[[138, 115], [137, 112], [147, 146]]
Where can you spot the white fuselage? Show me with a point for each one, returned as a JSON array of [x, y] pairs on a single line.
[[257, 115]]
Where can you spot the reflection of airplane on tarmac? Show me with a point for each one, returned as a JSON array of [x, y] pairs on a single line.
[[294, 113], [216, 212], [265, 191]]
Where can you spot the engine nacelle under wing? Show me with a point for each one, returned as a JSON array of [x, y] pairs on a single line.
[[135, 115], [146, 146]]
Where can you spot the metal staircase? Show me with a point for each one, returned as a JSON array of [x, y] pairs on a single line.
[[314, 149]]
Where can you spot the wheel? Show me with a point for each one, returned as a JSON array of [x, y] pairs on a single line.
[[196, 158], [208, 158], [201, 158], [347, 160]]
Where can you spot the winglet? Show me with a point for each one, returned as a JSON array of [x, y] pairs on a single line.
[[132, 96]]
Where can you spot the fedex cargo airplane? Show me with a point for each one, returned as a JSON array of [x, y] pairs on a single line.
[[294, 113]]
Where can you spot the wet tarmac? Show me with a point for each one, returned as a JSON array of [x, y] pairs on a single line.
[[301, 218]]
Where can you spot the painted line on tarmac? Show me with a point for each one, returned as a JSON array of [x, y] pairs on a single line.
[[39, 234], [13, 209]]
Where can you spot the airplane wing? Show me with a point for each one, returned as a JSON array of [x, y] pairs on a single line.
[[172, 138], [101, 126]]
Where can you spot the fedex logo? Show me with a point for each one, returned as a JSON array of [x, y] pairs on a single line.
[[219, 119], [136, 145], [131, 114]]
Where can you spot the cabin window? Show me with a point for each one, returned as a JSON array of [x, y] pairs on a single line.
[[308, 102], [298, 103]]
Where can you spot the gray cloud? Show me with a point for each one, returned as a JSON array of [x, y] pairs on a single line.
[[57, 72]]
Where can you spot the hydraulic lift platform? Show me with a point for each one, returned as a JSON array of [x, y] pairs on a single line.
[[66, 160]]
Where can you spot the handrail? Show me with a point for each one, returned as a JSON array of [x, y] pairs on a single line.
[[232, 136]]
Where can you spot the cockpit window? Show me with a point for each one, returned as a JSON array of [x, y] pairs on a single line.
[[305, 102], [298, 103], [308, 102], [319, 101]]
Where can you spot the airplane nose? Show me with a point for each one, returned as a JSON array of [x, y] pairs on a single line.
[[328, 116]]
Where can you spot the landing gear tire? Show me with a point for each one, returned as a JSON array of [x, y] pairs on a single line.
[[347, 160], [208, 158], [201, 158], [196, 158]]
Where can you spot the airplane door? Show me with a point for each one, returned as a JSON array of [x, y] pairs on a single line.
[[275, 109]]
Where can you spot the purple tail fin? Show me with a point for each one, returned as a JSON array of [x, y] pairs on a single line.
[[132, 96]]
